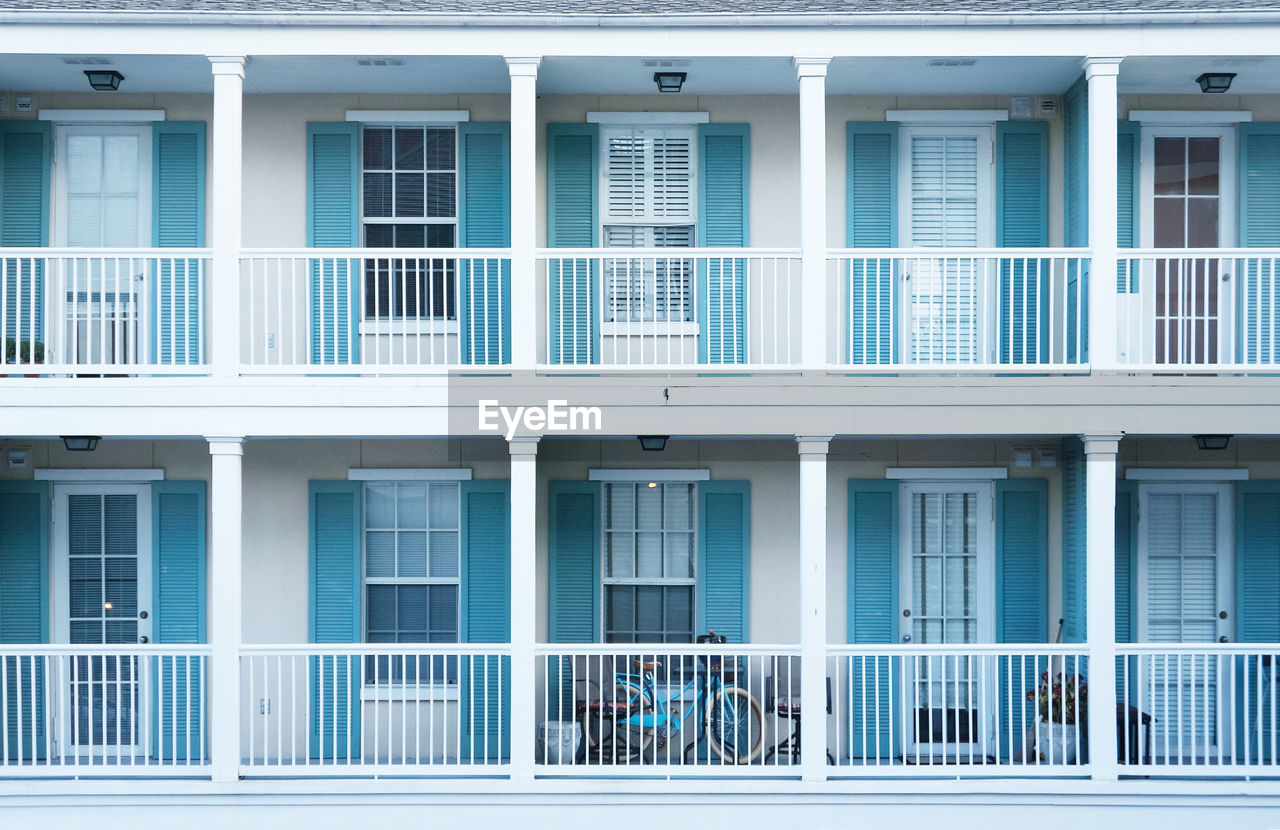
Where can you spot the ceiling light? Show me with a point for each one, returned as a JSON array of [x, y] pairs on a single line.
[[653, 443], [80, 443], [104, 80], [1215, 81], [1212, 442], [669, 81]]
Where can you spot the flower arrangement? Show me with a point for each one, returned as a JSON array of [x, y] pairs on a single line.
[[1064, 700], [15, 352]]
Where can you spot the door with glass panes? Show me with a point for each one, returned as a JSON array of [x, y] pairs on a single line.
[[102, 597], [945, 584]]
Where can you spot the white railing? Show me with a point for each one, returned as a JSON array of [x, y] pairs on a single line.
[[318, 310], [908, 711], [103, 311], [1205, 309], [410, 709], [687, 710], [957, 309], [665, 307], [1200, 709], [103, 710]]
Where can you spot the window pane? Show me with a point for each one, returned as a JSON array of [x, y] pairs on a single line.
[[679, 553], [444, 505], [413, 554], [1202, 171], [620, 555], [440, 147], [408, 236], [379, 505], [377, 194], [1171, 170], [649, 507], [411, 613], [679, 611], [411, 505], [377, 148], [86, 586], [122, 586], [408, 194], [379, 236], [84, 517], [620, 613], [381, 612], [1202, 223], [679, 506], [649, 555], [441, 236], [620, 506], [444, 553], [444, 613], [1170, 223], [408, 148], [649, 616], [440, 194], [380, 553]]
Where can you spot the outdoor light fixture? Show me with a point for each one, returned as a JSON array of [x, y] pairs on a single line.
[[1212, 442], [80, 443], [669, 81], [653, 443], [1215, 81], [104, 80]]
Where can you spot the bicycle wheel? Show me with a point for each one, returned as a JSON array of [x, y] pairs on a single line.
[[736, 729], [610, 731]]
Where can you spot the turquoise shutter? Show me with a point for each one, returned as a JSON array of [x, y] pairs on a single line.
[[334, 589], [24, 617], [1022, 542], [333, 221], [873, 610], [871, 221], [574, 566], [1259, 227], [1257, 601], [486, 616], [484, 221], [25, 159], [724, 557], [1022, 221], [1128, 146], [177, 221], [1073, 536], [724, 161], [573, 219], [178, 582], [1126, 560]]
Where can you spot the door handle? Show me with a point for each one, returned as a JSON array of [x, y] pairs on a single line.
[[1223, 638], [906, 638], [143, 639]]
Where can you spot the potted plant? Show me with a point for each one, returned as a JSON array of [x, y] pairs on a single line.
[[1061, 704], [20, 352]]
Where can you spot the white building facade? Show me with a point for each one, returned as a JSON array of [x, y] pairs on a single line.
[[950, 338]]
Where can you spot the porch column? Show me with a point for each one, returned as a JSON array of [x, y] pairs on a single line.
[[524, 601], [1100, 620], [813, 605], [1100, 73], [811, 72], [524, 211], [224, 605], [221, 326]]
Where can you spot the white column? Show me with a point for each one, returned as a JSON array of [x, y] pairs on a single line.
[[813, 605], [222, 326], [524, 211], [524, 601], [224, 605], [1103, 321], [812, 75], [1100, 623]]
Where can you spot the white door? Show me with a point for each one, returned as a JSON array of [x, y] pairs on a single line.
[[946, 586], [102, 199], [102, 596], [945, 174], [1184, 596]]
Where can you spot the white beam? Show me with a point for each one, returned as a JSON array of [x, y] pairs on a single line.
[[813, 604], [225, 501], [811, 73], [524, 210], [1100, 74], [222, 326], [1100, 600], [524, 591]]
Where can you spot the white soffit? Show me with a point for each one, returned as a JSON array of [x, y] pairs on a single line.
[[648, 475], [409, 116], [409, 474], [1164, 474], [648, 117], [1195, 118], [102, 116], [945, 473], [951, 117], [99, 475]]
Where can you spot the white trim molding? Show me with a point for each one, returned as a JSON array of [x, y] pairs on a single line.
[[946, 473], [409, 116], [648, 117], [102, 116], [1191, 118], [83, 475], [949, 117], [648, 475], [409, 474], [1174, 474]]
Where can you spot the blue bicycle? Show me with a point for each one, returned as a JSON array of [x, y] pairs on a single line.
[[633, 721]]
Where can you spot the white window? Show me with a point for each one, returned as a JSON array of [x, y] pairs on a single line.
[[649, 186], [650, 561], [409, 186], [103, 186]]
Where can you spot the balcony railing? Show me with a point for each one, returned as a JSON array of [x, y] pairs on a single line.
[[317, 311], [679, 710], [910, 711], [113, 311], [79, 710], [670, 308], [375, 709], [1208, 310], [954, 309]]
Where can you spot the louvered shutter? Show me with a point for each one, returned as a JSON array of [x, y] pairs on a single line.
[[178, 155], [486, 616], [178, 540], [871, 221], [723, 199], [25, 157], [1128, 147], [1073, 537], [484, 307], [334, 521], [872, 612], [333, 220], [1022, 221], [1259, 228], [24, 588], [1021, 589], [1258, 600], [724, 557], [574, 565], [572, 222]]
